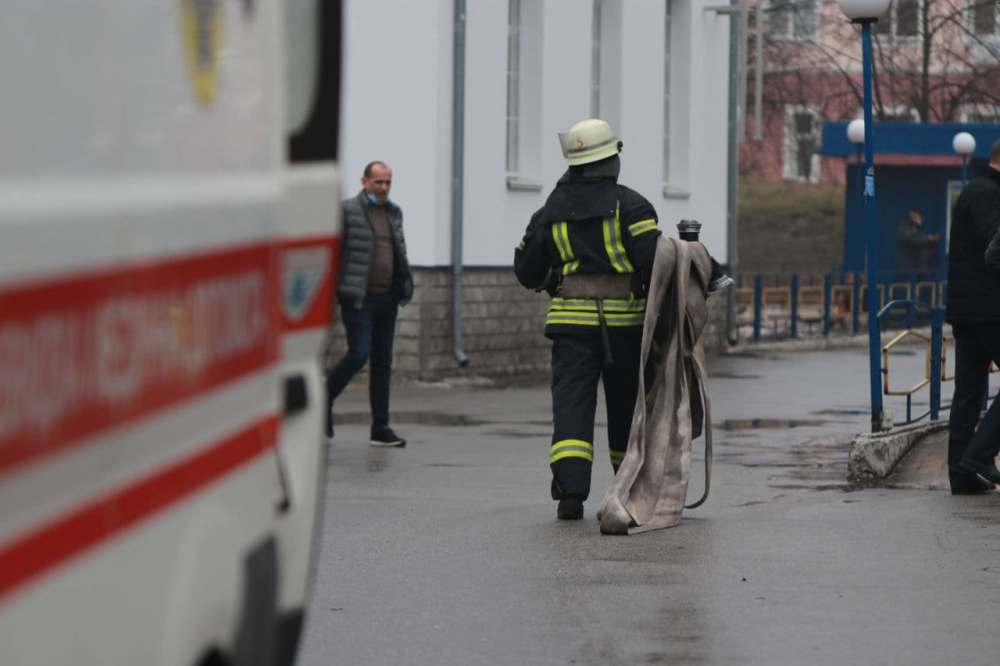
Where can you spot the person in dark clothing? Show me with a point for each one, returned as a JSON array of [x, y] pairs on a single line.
[[974, 312], [375, 279], [591, 247], [914, 247]]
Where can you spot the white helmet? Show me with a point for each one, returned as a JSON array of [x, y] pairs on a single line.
[[588, 141]]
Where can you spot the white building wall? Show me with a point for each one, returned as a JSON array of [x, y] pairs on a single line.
[[397, 107]]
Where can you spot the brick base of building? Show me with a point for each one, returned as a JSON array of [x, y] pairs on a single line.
[[502, 328]]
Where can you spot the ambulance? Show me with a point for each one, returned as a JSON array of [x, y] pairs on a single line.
[[169, 239]]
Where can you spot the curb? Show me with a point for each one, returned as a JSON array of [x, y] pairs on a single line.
[[820, 343], [873, 456]]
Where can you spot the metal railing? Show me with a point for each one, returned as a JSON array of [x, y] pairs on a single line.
[[777, 306], [935, 363]]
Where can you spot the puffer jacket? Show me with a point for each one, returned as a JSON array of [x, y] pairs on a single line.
[[973, 289], [359, 247]]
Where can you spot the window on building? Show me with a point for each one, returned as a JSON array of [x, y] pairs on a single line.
[[801, 143], [524, 79], [902, 19], [898, 114], [595, 60], [676, 99], [981, 113], [792, 19], [985, 19], [513, 84], [668, 11]]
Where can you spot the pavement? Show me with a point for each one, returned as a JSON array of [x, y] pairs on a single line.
[[448, 551]]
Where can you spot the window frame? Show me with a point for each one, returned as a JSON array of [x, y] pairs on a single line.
[[524, 80], [892, 35], [790, 9], [789, 148]]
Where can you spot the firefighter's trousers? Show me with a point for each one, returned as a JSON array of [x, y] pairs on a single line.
[[578, 362]]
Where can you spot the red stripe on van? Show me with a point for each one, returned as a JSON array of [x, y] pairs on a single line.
[[86, 352], [46, 547]]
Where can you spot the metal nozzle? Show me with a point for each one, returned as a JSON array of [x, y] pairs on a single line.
[[689, 229]]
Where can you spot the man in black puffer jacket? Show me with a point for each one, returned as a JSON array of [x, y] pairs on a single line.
[[974, 313], [375, 279]]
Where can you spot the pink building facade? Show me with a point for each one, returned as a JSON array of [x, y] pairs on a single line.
[[935, 61]]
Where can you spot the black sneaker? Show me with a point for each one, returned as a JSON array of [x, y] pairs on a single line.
[[386, 437], [969, 484], [570, 508], [987, 472]]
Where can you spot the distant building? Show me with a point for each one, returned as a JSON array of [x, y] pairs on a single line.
[[657, 70], [812, 75]]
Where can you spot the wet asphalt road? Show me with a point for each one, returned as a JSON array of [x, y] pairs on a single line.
[[448, 551]]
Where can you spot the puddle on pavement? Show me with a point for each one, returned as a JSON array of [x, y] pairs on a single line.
[[441, 419], [768, 424], [860, 411]]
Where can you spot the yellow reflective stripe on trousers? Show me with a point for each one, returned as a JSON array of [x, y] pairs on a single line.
[[642, 226], [613, 245], [571, 448], [617, 457]]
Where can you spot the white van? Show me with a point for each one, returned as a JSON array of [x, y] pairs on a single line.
[[169, 237]]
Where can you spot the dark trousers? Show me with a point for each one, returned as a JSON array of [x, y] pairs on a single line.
[[370, 331], [577, 365], [975, 346]]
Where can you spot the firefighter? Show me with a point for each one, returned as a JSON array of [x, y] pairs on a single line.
[[591, 247]]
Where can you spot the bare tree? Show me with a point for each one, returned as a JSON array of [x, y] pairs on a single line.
[[932, 56]]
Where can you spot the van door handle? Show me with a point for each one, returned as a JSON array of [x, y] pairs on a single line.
[[296, 397]]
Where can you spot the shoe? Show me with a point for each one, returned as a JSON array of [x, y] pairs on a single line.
[[970, 484], [386, 437], [987, 472], [570, 508]]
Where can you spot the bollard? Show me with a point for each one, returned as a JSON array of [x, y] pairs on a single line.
[[758, 295], [937, 333], [827, 296], [856, 307], [793, 327]]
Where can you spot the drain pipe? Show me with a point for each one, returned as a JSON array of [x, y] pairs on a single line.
[[457, 181], [736, 109]]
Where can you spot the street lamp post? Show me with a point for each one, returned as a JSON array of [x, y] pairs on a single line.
[[964, 144], [866, 12], [856, 135]]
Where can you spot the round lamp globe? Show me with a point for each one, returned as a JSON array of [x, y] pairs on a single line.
[[964, 143], [856, 131], [863, 10]]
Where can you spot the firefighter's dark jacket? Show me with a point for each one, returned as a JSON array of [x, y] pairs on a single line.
[[589, 225]]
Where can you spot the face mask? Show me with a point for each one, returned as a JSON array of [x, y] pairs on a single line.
[[372, 199]]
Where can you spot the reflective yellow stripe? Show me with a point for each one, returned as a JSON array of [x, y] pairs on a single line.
[[560, 234], [571, 448], [592, 319], [590, 305], [570, 266], [642, 226], [572, 454], [558, 240], [617, 457], [563, 443], [613, 244]]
